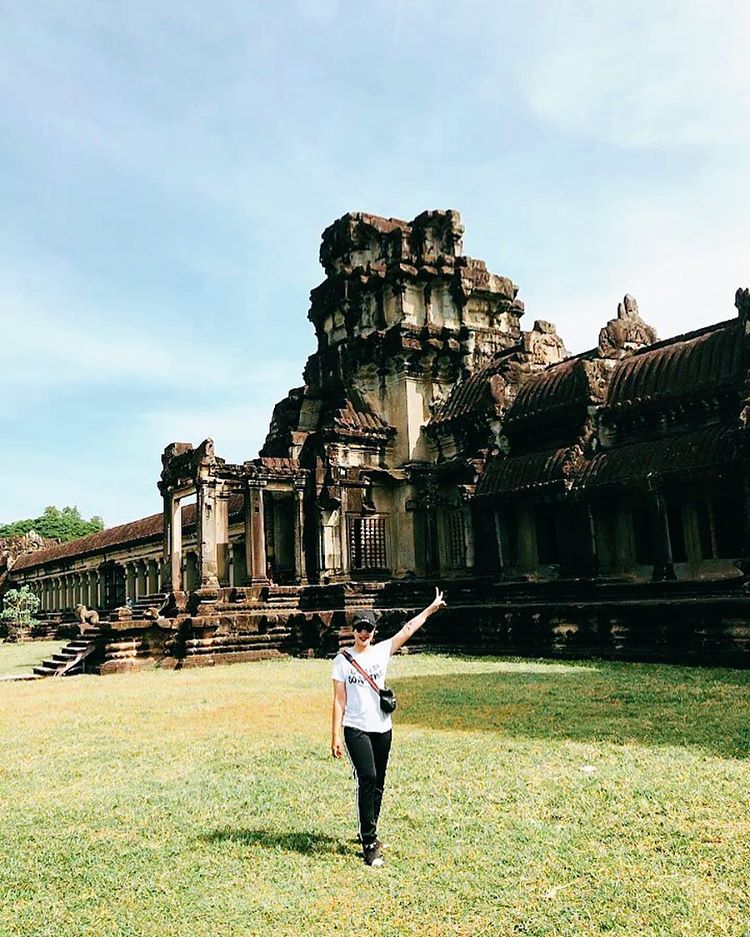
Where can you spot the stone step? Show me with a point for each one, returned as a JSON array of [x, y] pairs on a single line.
[[42, 670]]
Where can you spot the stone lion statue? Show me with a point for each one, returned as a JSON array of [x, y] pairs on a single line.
[[88, 617]]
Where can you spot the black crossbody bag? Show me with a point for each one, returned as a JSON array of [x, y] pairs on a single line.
[[387, 697]]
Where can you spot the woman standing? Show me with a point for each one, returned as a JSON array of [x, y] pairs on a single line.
[[366, 727]]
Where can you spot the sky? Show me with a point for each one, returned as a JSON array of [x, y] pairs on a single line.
[[166, 171]]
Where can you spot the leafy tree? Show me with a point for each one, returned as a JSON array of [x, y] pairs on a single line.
[[19, 608], [66, 524]]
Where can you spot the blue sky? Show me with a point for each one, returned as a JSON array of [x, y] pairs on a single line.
[[166, 171]]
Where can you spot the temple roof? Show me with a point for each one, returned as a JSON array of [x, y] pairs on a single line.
[[672, 458], [562, 386], [470, 396], [146, 528], [695, 363], [514, 474]]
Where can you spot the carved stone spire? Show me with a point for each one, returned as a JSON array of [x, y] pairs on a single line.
[[627, 332]]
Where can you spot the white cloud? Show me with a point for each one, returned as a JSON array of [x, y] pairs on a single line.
[[642, 73]]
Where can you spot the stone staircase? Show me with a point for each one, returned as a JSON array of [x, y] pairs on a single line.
[[72, 659], [282, 597], [141, 605], [268, 642]]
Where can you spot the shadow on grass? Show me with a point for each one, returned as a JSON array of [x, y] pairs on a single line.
[[660, 706], [305, 843]]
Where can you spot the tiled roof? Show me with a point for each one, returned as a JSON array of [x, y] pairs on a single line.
[[147, 528], [704, 451], [514, 474], [470, 396], [354, 414], [687, 365], [559, 387], [280, 465]]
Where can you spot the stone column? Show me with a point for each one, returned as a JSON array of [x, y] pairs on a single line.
[[255, 535], [142, 579], [207, 535], [468, 536], [129, 580], [663, 562], [430, 541], [152, 577], [501, 559], [744, 561], [172, 557], [222, 537], [299, 537], [230, 565]]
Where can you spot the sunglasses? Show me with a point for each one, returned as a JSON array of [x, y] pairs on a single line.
[[364, 626]]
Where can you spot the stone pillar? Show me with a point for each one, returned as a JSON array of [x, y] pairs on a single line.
[[152, 577], [172, 557], [744, 562], [344, 563], [501, 559], [142, 579], [222, 537], [230, 565], [431, 541], [207, 536], [468, 536], [255, 535], [300, 573], [129, 580], [663, 562]]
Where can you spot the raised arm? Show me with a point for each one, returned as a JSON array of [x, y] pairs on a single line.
[[414, 624], [339, 705]]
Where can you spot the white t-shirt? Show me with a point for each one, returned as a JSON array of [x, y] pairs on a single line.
[[362, 702]]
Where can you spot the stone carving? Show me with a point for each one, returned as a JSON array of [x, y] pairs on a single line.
[[627, 332], [499, 393], [543, 345], [87, 617]]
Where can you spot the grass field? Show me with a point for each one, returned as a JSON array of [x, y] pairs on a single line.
[[23, 657], [524, 797]]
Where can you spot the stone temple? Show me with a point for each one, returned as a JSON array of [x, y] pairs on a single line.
[[586, 504]]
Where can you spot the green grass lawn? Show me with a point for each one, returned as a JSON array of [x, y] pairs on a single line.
[[524, 797], [22, 657]]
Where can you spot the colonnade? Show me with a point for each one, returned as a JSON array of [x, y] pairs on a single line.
[[95, 588], [216, 561]]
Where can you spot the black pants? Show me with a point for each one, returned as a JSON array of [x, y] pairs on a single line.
[[368, 752]]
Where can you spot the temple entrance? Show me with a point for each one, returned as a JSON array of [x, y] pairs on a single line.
[[279, 523]]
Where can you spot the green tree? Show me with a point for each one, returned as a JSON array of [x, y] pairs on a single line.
[[66, 524], [19, 608]]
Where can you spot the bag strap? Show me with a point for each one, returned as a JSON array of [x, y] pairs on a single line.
[[364, 673]]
